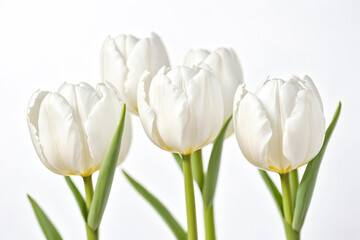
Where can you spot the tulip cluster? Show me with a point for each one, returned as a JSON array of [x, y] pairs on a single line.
[[79, 130]]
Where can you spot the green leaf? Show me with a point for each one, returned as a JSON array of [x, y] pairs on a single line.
[[78, 197], [47, 227], [214, 165], [160, 208], [106, 176], [178, 159], [307, 184], [273, 190]]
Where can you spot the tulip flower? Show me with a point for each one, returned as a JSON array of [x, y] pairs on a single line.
[[281, 126], [125, 58], [71, 129], [225, 65], [181, 109]]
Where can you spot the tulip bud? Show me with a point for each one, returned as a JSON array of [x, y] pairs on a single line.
[[181, 109], [125, 58], [71, 129], [225, 65], [281, 126]]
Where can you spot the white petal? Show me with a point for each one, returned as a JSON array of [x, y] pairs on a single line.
[[82, 99], [287, 97], [310, 84], [33, 120], [113, 65], [126, 139], [195, 57], [146, 113], [226, 67], [304, 130], [125, 45], [102, 122], [206, 110], [171, 108], [269, 96], [181, 77], [59, 135], [148, 54], [252, 130]]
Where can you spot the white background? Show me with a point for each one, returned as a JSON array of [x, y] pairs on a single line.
[[43, 43]]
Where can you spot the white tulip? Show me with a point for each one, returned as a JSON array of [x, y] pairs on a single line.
[[180, 109], [72, 129], [125, 58], [225, 65], [281, 126]]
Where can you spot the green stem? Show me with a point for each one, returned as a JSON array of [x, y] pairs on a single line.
[[286, 196], [209, 222], [89, 192], [197, 168], [291, 234], [190, 198], [294, 184]]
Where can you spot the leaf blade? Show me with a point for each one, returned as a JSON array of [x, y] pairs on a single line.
[[211, 176], [78, 197], [173, 224], [308, 181], [46, 225], [178, 159], [106, 176], [275, 193]]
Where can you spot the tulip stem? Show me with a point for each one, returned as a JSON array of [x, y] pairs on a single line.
[[286, 196], [190, 198], [209, 222], [198, 172], [89, 192], [294, 184], [197, 168]]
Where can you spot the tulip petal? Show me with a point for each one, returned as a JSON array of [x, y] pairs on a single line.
[[195, 57], [310, 84], [206, 110], [226, 67], [304, 130], [253, 130], [148, 54], [59, 135], [288, 96], [82, 99], [146, 113], [33, 123], [125, 45], [113, 65], [171, 106], [102, 122], [269, 96]]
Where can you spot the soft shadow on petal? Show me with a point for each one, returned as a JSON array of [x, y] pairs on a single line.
[[148, 54], [102, 122], [304, 130], [206, 110], [195, 57], [59, 135], [33, 119], [113, 65], [269, 96], [253, 131], [171, 108]]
